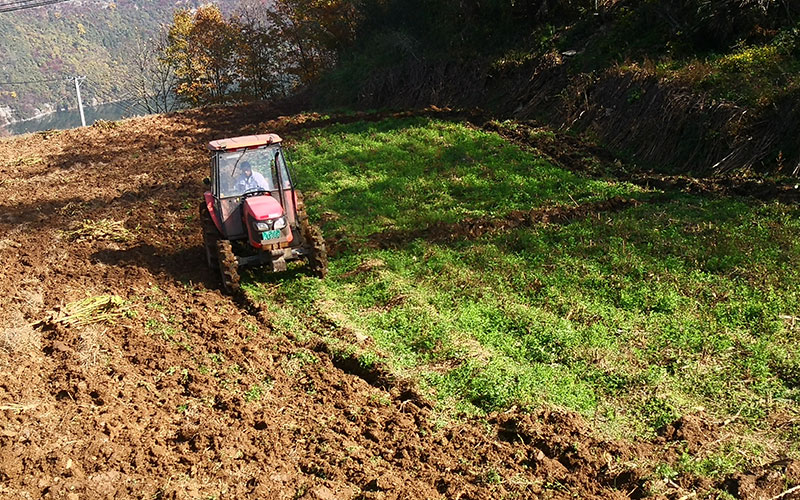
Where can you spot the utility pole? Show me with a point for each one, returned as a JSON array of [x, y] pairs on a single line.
[[80, 102]]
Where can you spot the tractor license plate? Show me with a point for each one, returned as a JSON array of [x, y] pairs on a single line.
[[271, 235]]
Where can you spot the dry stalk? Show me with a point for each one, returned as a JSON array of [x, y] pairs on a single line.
[[786, 493], [18, 407], [101, 229], [102, 308]]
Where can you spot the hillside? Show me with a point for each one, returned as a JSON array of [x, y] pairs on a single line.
[[498, 321], [705, 88], [562, 259], [95, 38]]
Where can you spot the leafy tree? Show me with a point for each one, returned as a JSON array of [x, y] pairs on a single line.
[[264, 49], [260, 64], [201, 48], [309, 33]]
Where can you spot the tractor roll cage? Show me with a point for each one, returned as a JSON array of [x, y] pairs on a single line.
[[277, 176], [226, 169]]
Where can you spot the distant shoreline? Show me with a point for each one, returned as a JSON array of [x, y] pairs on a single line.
[[69, 118], [47, 113], [34, 117]]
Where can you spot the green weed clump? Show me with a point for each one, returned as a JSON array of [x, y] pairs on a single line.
[[631, 318], [754, 68], [753, 75]]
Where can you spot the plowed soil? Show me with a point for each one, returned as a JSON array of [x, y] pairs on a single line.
[[179, 391]]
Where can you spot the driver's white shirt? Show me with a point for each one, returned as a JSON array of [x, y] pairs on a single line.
[[255, 182]]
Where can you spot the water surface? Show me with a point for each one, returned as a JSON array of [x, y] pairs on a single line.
[[72, 118]]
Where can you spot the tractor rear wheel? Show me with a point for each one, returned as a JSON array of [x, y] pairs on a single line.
[[318, 254], [210, 237], [228, 266]]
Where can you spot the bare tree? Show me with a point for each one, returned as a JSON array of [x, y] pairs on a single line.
[[154, 81]]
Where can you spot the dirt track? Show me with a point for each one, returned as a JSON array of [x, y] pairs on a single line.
[[188, 394]]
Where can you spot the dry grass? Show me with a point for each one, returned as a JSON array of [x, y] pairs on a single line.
[[9, 239], [30, 298], [694, 73], [19, 336], [23, 161], [19, 407], [101, 229], [90, 349], [97, 309]]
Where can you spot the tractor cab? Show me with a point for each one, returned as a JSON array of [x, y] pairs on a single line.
[[252, 213]]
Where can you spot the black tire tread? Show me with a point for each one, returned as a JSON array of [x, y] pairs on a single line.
[[210, 237], [228, 266], [318, 256]]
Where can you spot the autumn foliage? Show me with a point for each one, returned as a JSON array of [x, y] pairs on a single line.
[[262, 50], [201, 49]]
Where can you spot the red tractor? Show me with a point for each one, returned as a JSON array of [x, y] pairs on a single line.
[[253, 215]]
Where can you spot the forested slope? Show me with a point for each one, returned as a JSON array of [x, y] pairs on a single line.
[[95, 38]]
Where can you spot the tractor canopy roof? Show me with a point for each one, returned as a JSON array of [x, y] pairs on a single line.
[[246, 141]]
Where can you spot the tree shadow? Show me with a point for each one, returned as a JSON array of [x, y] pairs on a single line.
[[60, 212]]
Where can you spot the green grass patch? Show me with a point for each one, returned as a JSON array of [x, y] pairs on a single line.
[[755, 75], [403, 174], [630, 318]]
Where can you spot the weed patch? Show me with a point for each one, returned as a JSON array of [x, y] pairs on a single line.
[[409, 173]]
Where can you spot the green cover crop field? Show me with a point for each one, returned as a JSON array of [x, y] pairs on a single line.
[[666, 305]]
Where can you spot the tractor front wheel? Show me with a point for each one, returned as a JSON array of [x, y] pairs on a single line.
[[228, 266]]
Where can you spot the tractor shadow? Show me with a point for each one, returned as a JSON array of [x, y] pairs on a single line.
[[187, 265], [263, 277]]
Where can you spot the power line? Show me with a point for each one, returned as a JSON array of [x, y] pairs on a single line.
[[27, 4], [28, 82], [125, 108], [15, 2], [99, 91], [21, 3]]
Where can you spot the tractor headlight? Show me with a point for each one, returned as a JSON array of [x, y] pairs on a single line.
[[263, 226], [279, 223]]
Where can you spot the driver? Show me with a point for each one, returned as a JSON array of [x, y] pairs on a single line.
[[250, 181]]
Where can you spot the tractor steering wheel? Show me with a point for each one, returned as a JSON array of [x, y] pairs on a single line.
[[256, 192]]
